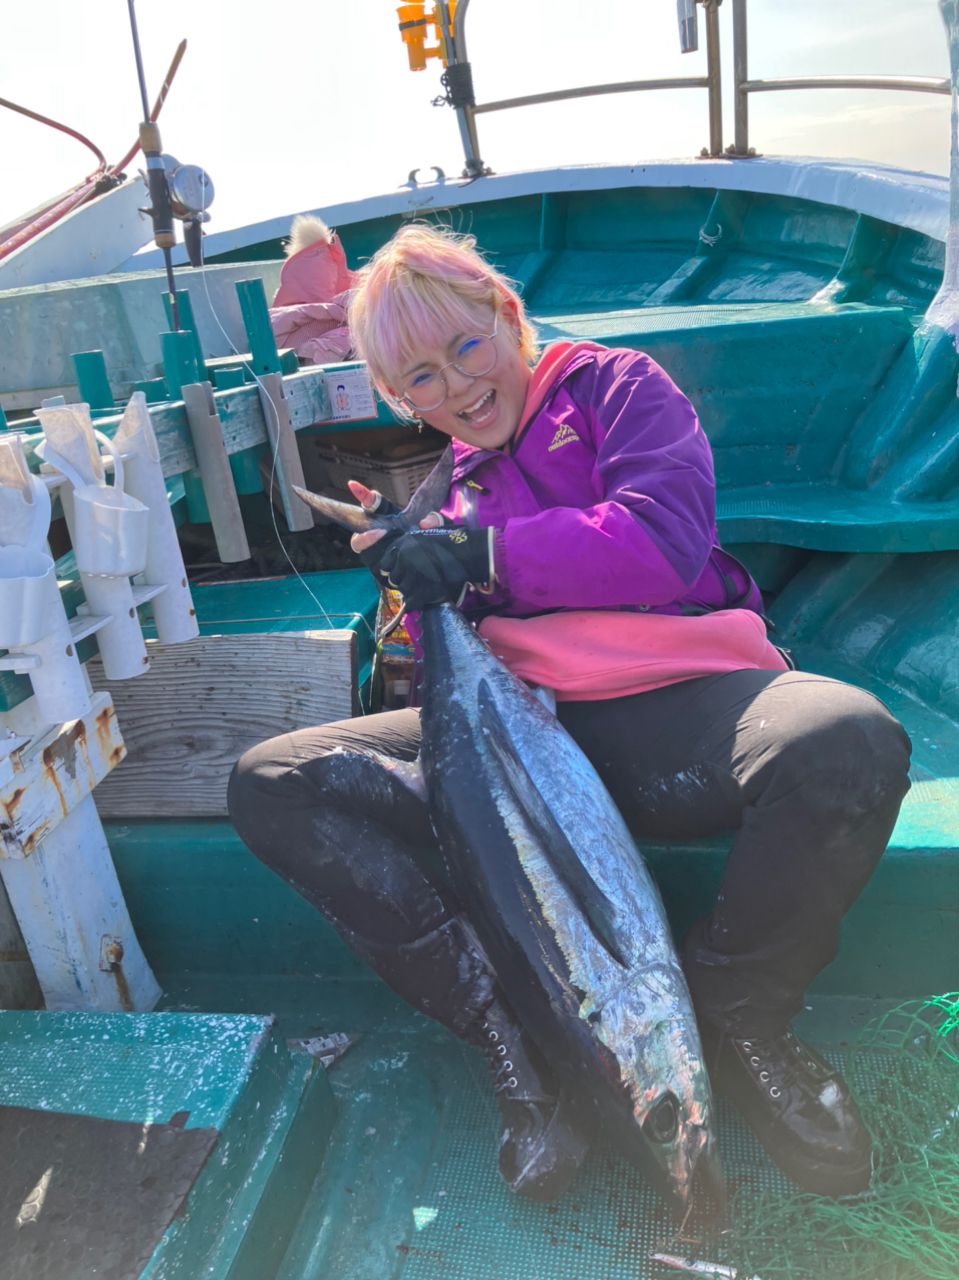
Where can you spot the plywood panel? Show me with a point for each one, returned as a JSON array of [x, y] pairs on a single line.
[[202, 704]]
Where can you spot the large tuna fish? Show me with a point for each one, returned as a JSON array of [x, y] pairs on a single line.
[[557, 893]]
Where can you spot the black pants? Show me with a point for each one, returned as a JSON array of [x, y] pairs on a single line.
[[809, 773]]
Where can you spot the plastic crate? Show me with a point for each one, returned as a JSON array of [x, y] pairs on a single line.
[[397, 480]]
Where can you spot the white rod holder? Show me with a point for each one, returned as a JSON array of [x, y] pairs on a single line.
[[120, 641], [173, 610]]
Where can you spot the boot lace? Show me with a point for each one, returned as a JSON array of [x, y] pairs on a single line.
[[498, 1055], [769, 1063], [784, 1061]]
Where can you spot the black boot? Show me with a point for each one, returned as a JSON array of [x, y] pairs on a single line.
[[445, 974], [361, 850], [541, 1146], [799, 1108]]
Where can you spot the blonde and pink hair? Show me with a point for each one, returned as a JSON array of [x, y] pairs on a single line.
[[422, 287]]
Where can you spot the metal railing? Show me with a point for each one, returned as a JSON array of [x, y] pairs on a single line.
[[743, 86], [467, 111], [458, 80]]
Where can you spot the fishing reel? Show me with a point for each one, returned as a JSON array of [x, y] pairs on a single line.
[[191, 194], [188, 195]]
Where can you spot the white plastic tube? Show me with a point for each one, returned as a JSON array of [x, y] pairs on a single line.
[[173, 609]]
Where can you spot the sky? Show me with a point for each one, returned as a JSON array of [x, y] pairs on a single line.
[[298, 104]]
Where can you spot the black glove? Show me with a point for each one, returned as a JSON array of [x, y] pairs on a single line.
[[384, 506], [373, 556], [435, 566]]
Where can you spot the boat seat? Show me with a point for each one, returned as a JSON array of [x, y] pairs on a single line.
[[779, 388], [912, 896]]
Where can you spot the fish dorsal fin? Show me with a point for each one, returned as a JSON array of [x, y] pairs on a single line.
[[432, 493], [596, 907]]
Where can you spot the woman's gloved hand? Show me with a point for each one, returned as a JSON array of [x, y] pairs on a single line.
[[371, 500], [371, 547], [436, 566]]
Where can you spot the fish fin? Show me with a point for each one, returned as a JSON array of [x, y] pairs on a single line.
[[344, 514], [599, 912], [430, 496], [432, 493]]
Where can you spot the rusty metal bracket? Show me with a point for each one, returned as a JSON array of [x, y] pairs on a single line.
[[52, 773]]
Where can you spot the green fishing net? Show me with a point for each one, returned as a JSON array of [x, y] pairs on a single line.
[[907, 1226]]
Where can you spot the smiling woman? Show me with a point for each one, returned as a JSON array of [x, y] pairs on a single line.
[[425, 387], [577, 493]]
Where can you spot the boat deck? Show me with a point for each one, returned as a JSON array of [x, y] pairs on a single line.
[[405, 1185], [408, 1187], [383, 1168]]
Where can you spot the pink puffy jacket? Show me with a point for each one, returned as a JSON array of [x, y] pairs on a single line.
[[309, 309]]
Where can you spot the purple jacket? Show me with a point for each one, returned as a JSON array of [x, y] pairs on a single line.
[[606, 500]]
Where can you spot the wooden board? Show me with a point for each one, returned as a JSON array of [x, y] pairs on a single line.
[[202, 704]]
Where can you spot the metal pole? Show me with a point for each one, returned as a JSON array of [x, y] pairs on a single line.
[[910, 84], [740, 76], [714, 74], [465, 114], [592, 91]]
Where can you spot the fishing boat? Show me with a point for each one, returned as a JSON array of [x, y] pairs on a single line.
[[198, 1079]]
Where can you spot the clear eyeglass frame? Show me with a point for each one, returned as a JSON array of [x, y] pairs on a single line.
[[485, 355]]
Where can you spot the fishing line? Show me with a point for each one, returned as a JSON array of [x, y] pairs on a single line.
[[274, 457]]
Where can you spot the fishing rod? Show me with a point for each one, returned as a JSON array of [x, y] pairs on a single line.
[[183, 191]]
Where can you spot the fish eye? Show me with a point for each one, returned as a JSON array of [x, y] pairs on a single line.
[[662, 1123]]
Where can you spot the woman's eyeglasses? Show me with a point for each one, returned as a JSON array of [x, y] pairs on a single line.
[[427, 390]]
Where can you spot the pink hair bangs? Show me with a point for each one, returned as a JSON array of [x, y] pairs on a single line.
[[420, 290]]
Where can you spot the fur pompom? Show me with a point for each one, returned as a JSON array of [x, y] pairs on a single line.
[[307, 229]]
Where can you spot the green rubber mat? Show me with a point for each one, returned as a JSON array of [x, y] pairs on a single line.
[[410, 1190], [466, 1224], [134, 1067]]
